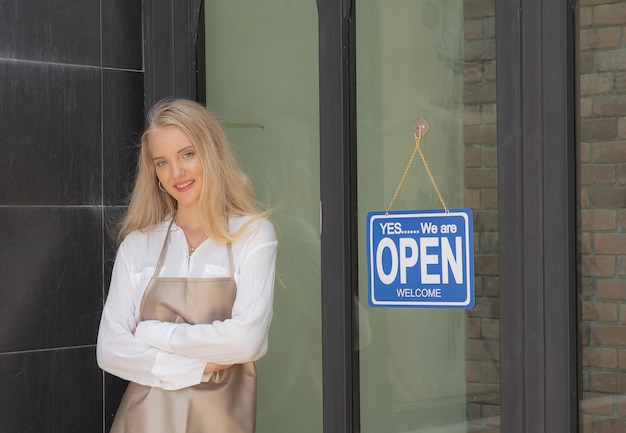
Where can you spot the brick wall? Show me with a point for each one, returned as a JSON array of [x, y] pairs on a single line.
[[602, 51], [481, 195], [603, 218]]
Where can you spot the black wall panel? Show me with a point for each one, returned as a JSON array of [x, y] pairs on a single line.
[[50, 275], [60, 31], [122, 34], [71, 113], [56, 391], [122, 121], [51, 136]]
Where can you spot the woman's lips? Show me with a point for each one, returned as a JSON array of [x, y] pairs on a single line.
[[182, 187]]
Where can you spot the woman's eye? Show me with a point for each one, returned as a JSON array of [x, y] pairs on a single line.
[[188, 154], [160, 163]]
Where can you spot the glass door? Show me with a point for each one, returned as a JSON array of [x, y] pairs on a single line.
[[429, 370], [261, 81]]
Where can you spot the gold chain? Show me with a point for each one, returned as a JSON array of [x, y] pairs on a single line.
[[406, 171]]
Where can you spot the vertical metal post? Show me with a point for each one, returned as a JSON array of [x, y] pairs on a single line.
[[537, 208], [339, 225]]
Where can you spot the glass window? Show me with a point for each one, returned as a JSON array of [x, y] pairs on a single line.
[[261, 80], [429, 370]]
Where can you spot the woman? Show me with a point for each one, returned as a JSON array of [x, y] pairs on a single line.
[[190, 301]]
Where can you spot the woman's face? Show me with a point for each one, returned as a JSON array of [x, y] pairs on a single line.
[[177, 164]]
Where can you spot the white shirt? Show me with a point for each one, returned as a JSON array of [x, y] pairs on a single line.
[[173, 356]]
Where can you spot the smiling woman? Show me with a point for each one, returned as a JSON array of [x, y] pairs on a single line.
[[191, 294], [228, 190], [178, 167]]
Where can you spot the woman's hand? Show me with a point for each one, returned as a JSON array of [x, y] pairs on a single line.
[[212, 368]]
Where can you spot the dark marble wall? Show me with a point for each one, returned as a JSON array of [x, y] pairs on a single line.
[[71, 110]]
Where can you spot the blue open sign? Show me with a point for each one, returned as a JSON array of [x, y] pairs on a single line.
[[421, 258]]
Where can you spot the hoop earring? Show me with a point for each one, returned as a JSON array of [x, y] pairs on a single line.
[[161, 187]]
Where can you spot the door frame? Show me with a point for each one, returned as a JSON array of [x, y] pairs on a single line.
[[338, 194], [537, 192], [537, 166]]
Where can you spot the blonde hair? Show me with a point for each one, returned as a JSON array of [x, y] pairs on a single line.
[[226, 190]]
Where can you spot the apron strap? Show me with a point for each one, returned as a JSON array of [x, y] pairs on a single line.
[[231, 261], [157, 270]]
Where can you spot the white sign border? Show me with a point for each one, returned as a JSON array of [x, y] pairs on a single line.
[[469, 277]]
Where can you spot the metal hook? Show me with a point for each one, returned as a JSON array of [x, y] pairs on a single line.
[[420, 127]]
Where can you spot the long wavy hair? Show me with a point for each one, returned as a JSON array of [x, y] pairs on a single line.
[[226, 190]]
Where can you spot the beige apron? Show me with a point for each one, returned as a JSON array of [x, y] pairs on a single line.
[[224, 404]]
